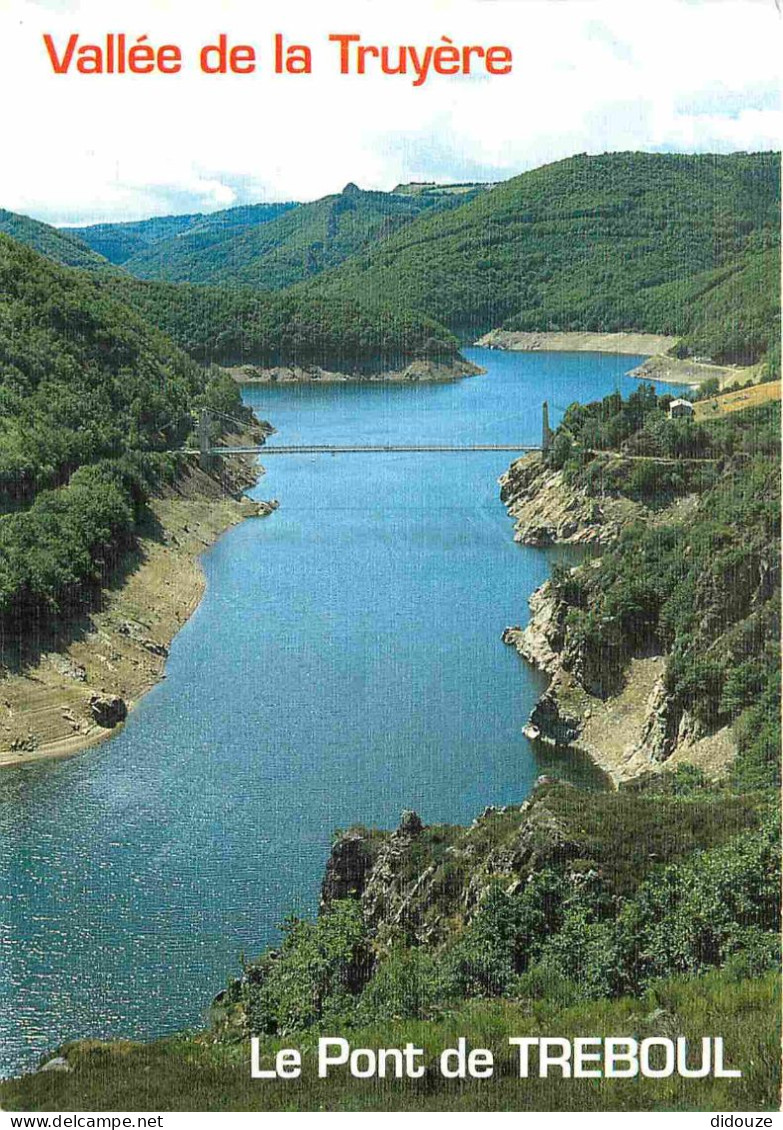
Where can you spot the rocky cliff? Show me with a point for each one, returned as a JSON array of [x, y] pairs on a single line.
[[419, 884], [636, 731], [629, 724], [547, 511]]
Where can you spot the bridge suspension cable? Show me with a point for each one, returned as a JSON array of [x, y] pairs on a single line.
[[230, 419], [358, 449], [207, 450]]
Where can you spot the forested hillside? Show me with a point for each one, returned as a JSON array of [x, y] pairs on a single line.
[[736, 314], [235, 325], [125, 242], [666, 243], [293, 245], [639, 241], [59, 245], [90, 396]]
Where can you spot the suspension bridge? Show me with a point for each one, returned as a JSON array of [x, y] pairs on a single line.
[[207, 450]]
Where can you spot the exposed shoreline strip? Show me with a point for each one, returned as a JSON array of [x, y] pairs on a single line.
[[660, 365], [121, 648], [415, 372], [578, 341]]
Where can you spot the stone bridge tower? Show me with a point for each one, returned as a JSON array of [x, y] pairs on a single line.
[[546, 431], [204, 421]]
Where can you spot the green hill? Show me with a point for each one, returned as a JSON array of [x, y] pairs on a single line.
[[665, 243], [292, 246], [233, 325], [737, 314], [61, 246], [82, 377], [619, 241], [120, 242], [90, 398], [236, 324]]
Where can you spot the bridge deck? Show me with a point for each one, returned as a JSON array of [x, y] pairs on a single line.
[[380, 448]]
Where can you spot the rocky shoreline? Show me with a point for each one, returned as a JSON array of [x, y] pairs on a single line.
[[579, 341], [76, 688], [635, 731], [661, 365], [415, 371], [546, 511]]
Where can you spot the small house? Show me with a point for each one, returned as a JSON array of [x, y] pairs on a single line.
[[679, 409]]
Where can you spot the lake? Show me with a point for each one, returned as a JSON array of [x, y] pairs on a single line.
[[345, 664]]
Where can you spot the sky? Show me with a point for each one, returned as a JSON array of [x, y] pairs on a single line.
[[588, 76]]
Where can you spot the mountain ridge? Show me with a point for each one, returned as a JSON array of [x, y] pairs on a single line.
[[120, 242], [676, 244], [59, 245], [288, 246], [616, 242]]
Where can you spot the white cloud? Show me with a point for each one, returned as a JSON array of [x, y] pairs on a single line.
[[589, 75]]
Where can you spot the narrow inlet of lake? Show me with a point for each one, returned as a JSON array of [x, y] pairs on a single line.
[[345, 664]]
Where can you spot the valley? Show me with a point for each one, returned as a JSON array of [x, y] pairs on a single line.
[[589, 833]]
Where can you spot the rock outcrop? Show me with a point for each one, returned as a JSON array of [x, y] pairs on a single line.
[[350, 862], [418, 370], [369, 865], [635, 729], [550, 722], [419, 881], [542, 640], [547, 511], [108, 710], [59, 1063], [135, 632]]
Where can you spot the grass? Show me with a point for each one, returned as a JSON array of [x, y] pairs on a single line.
[[628, 833], [192, 1073], [737, 401]]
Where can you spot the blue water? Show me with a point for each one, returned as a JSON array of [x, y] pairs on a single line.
[[345, 664]]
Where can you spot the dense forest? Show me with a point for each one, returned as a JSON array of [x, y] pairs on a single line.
[[90, 399], [122, 243], [290, 247], [681, 245], [230, 325], [268, 246], [735, 314], [656, 242], [665, 243], [92, 395]]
